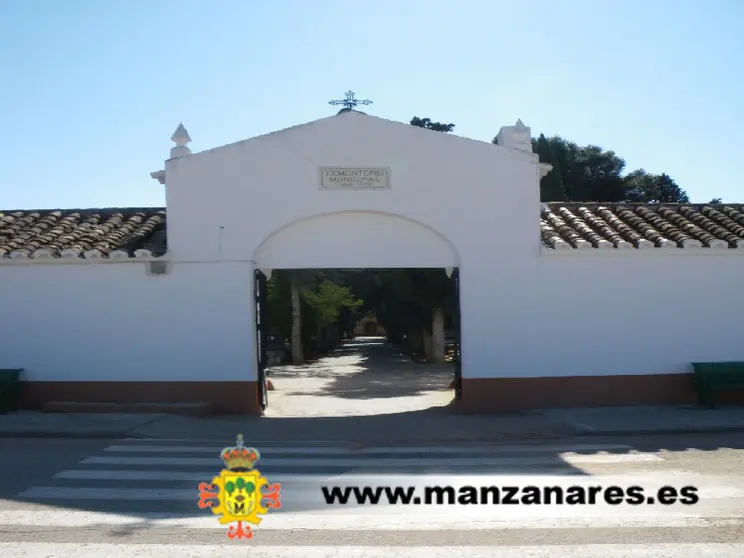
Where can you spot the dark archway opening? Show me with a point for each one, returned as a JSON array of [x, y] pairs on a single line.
[[360, 335]]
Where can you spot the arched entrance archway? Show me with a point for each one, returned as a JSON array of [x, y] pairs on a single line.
[[355, 239], [350, 239]]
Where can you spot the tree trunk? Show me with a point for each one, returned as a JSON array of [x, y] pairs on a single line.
[[335, 337], [320, 340], [298, 355], [437, 336], [393, 334], [428, 345], [413, 341]]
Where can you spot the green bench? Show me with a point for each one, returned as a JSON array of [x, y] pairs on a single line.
[[716, 376], [10, 388]]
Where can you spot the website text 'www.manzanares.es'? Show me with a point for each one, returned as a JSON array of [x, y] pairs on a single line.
[[508, 495]]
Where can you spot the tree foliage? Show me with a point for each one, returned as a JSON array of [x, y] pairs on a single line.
[[653, 188], [323, 296], [592, 174], [403, 300], [327, 300], [431, 125], [551, 186]]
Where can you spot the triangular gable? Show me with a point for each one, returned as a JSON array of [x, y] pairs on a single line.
[[354, 120]]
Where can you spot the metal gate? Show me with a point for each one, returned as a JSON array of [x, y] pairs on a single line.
[[262, 353], [456, 334]]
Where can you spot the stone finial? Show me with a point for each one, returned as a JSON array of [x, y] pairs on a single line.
[[181, 138], [516, 137]]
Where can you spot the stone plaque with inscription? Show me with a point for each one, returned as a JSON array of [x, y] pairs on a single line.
[[346, 178]]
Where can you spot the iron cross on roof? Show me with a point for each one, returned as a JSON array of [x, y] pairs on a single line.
[[350, 102]]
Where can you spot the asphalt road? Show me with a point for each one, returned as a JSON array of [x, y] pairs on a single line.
[[138, 498]]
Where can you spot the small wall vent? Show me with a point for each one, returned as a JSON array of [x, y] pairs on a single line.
[[157, 268]]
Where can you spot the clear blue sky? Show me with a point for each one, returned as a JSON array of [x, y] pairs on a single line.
[[93, 89]]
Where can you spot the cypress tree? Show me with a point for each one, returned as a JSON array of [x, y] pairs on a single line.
[[551, 185]]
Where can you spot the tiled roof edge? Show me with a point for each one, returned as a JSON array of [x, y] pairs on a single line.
[[92, 234], [568, 226]]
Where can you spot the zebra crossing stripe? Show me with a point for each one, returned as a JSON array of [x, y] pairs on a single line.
[[108, 494], [335, 462], [546, 477], [342, 520], [425, 450], [137, 475], [370, 478], [94, 550]]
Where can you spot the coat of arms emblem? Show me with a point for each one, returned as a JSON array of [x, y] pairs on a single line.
[[239, 494]]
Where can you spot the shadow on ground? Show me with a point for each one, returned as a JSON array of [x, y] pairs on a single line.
[[366, 368]]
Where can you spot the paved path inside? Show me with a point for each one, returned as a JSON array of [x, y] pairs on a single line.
[[363, 377], [137, 498]]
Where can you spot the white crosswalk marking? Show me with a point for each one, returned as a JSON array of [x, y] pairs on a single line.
[[150, 488], [338, 461], [706, 550], [310, 450]]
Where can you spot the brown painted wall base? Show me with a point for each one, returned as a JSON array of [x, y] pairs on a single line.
[[521, 394], [492, 395], [225, 397]]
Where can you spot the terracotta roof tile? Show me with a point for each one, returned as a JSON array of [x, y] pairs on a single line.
[[124, 232], [601, 225], [82, 233]]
